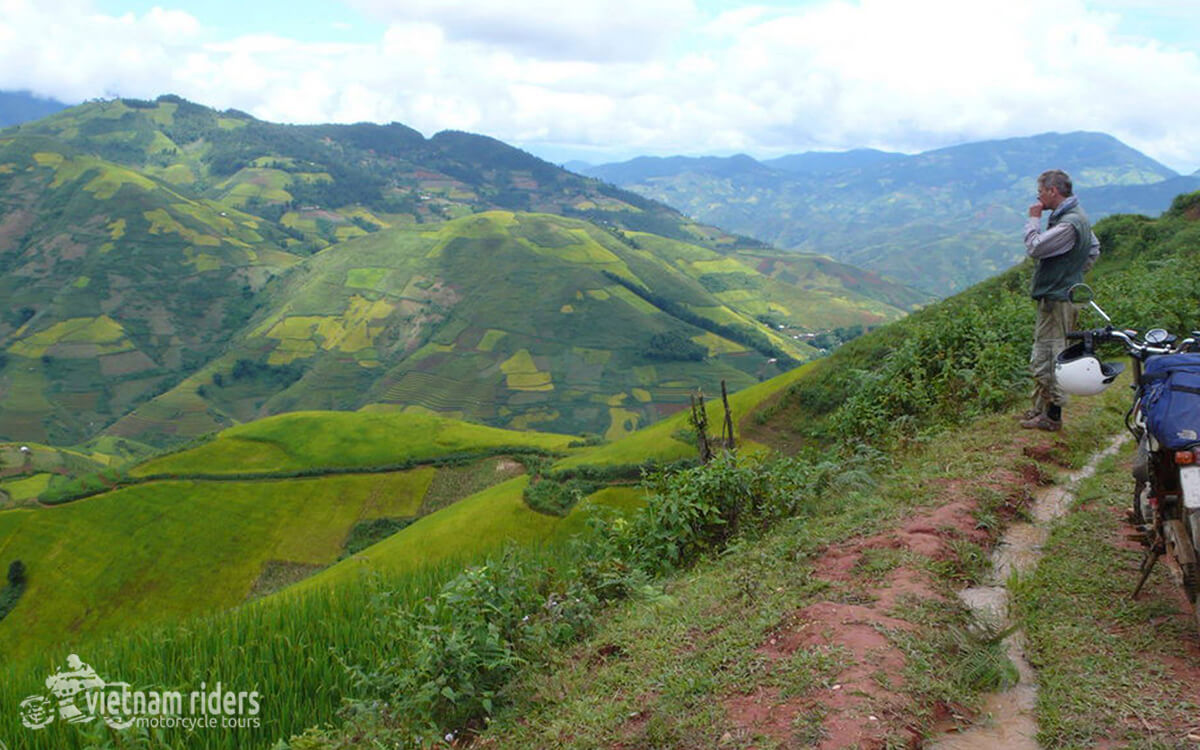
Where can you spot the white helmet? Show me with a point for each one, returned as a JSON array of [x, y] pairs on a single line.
[[1079, 373]]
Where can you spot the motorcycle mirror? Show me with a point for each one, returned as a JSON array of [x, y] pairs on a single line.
[[1081, 294]]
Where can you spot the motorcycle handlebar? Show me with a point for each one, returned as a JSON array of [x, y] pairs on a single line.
[[1135, 348]]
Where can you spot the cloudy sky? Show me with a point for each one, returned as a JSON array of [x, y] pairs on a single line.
[[604, 80]]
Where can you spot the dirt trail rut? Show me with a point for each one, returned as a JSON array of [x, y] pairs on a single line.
[[1007, 721]]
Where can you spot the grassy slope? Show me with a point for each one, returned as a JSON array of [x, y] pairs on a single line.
[[189, 547], [115, 285], [442, 318], [628, 685], [300, 441], [188, 562], [168, 550], [142, 207], [487, 520]]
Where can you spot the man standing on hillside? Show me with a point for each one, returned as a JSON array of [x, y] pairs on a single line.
[[1063, 252]]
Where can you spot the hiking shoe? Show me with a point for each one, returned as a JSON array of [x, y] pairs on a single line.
[[1029, 413], [1042, 422]]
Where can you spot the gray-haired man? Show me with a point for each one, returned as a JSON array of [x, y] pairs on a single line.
[[1064, 252]]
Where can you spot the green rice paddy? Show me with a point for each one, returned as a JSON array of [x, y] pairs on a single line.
[[302, 441]]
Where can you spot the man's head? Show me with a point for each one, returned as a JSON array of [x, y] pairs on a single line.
[[1054, 187]]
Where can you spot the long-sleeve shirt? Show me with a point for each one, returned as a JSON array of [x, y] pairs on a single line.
[[1055, 241]]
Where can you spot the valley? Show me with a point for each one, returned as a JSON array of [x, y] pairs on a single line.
[[399, 433], [939, 220]]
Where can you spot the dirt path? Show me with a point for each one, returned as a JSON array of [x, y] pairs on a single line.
[[1008, 718], [865, 616], [867, 704]]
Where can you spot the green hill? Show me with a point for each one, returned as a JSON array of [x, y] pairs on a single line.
[[315, 441], [174, 270], [205, 536], [519, 320], [116, 287]]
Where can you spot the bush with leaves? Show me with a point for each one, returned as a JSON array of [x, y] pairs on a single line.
[[12, 590], [556, 498], [459, 649]]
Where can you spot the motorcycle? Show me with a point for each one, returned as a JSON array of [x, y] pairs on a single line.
[[1164, 419]]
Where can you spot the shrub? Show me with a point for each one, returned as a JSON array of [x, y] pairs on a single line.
[[464, 644], [16, 573], [672, 346], [693, 511], [557, 498], [13, 589], [366, 533]]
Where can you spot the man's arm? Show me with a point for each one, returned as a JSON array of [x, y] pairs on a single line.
[[1093, 254], [1055, 241]]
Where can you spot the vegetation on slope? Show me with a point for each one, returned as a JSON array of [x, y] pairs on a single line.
[[455, 672], [924, 374], [517, 320], [200, 533], [117, 287], [140, 238]]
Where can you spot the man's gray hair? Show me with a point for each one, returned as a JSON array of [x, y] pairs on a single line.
[[1057, 179]]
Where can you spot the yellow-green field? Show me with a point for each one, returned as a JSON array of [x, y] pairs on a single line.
[[167, 550], [470, 529], [301, 441]]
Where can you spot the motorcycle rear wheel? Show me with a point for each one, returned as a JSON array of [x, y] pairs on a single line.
[[1139, 488], [1179, 545]]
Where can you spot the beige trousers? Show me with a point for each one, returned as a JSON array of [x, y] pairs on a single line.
[[1054, 319]]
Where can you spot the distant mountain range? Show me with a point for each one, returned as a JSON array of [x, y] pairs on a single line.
[[17, 107], [940, 220], [169, 270]]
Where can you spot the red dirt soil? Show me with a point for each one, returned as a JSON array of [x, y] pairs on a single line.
[[864, 705], [858, 709]]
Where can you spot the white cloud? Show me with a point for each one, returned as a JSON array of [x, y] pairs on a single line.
[[68, 50], [578, 30], [657, 77]]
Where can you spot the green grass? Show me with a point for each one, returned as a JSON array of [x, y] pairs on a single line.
[[293, 648], [311, 440], [660, 670], [168, 550], [1106, 664], [469, 530], [26, 488], [286, 653]]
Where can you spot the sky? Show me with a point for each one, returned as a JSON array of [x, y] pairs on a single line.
[[603, 81]]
